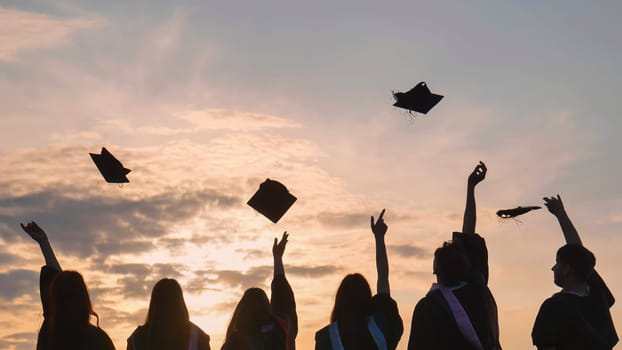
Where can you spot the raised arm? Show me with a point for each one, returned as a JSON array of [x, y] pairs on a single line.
[[278, 249], [478, 174], [379, 229], [282, 299], [38, 235], [556, 207]]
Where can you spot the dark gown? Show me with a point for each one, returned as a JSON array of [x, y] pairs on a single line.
[[91, 338], [568, 321], [356, 335], [281, 333], [433, 325]]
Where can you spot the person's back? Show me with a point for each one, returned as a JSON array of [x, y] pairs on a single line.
[[573, 322], [459, 312], [578, 316], [258, 323], [437, 328], [360, 321], [168, 326], [66, 304]]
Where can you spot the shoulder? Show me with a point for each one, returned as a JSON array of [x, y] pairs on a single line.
[[201, 333], [99, 339], [322, 338], [138, 332], [383, 302]]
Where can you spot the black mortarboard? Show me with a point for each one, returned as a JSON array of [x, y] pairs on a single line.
[[510, 213], [272, 200], [110, 167], [418, 99]]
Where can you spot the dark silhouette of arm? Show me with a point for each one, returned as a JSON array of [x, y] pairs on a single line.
[[379, 229], [282, 296], [556, 207], [478, 174], [38, 235]]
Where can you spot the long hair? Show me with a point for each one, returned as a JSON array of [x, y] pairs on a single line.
[[70, 311], [252, 312], [353, 299], [168, 322]]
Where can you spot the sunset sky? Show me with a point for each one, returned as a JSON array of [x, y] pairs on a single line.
[[204, 100]]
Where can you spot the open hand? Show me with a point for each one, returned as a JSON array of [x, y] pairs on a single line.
[[379, 228], [278, 248], [478, 174], [554, 205], [34, 231]]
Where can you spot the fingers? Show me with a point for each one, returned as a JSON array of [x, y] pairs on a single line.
[[381, 215], [284, 238]]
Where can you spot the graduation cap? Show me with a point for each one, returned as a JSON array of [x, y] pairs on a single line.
[[272, 200], [510, 213], [418, 99], [110, 167]]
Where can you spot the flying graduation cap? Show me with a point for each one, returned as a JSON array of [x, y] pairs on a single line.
[[514, 212], [418, 99], [110, 167], [272, 200]]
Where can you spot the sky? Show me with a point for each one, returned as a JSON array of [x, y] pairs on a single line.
[[204, 100]]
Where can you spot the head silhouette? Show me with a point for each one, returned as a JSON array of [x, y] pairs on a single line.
[[252, 312], [451, 264], [70, 310], [168, 322], [574, 263], [353, 299]]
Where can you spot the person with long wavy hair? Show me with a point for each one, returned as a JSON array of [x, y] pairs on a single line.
[[67, 307], [259, 323], [168, 325], [358, 320]]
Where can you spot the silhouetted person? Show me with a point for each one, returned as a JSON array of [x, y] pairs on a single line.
[[66, 305], [459, 312], [578, 317], [259, 323], [360, 321], [168, 325]]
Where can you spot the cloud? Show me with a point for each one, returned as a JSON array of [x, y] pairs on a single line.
[[94, 225], [253, 277], [409, 251], [211, 119], [312, 271], [21, 30], [18, 341], [17, 283], [8, 259], [137, 280], [343, 219]]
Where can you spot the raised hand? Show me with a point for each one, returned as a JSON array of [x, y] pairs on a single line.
[[38, 235], [379, 228], [554, 205], [478, 174], [35, 232], [278, 248]]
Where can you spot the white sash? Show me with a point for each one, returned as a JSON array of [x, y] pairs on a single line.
[[462, 319], [374, 330]]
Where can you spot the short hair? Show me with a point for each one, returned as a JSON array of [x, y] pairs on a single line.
[[451, 264], [579, 258]]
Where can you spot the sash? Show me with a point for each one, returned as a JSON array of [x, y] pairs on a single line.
[[462, 319], [194, 338], [372, 326]]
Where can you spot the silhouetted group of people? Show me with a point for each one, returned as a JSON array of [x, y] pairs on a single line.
[[459, 311]]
